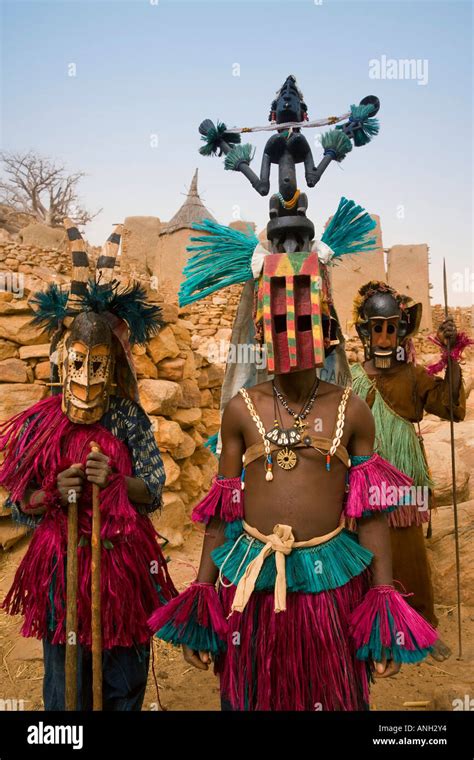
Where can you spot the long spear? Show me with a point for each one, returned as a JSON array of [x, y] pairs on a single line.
[[453, 468]]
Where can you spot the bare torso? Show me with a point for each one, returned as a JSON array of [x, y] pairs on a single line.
[[308, 497]]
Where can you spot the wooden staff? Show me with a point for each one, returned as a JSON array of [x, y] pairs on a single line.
[[95, 597], [71, 608]]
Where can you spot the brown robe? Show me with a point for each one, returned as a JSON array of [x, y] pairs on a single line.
[[410, 392]]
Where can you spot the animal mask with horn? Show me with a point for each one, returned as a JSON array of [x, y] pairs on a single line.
[[94, 326]]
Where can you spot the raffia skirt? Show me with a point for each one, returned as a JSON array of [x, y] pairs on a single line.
[[301, 658]]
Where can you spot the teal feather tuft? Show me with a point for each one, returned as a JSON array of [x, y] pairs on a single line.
[[364, 127], [50, 307], [336, 142], [347, 232], [128, 303], [222, 259], [213, 137], [238, 154]]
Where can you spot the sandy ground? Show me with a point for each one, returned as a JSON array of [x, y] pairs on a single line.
[[184, 688]]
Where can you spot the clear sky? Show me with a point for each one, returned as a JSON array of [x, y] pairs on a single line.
[[146, 68]]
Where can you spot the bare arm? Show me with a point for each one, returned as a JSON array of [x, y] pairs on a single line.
[[230, 465], [373, 531], [137, 491]]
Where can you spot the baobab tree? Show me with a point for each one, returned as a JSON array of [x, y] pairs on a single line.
[[42, 188]]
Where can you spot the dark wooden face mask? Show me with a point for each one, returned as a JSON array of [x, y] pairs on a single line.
[[87, 376]]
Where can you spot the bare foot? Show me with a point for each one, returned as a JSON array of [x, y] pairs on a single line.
[[440, 651]]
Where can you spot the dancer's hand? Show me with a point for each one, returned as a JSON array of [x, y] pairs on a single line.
[[385, 669], [200, 660], [98, 469], [70, 483], [447, 332]]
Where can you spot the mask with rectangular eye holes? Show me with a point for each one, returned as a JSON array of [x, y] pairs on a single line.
[[87, 364], [288, 312]]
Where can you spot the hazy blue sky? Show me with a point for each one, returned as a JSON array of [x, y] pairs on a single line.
[[148, 68]]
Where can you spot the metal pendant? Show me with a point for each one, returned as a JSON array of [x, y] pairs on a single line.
[[286, 459], [300, 425], [287, 437]]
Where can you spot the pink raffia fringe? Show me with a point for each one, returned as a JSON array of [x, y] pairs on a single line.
[[134, 576], [410, 351], [194, 618], [301, 659], [462, 342], [225, 500], [413, 633], [375, 485]]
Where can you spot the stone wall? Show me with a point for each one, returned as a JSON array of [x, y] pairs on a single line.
[[463, 317], [212, 320], [408, 272], [22, 257], [37, 264]]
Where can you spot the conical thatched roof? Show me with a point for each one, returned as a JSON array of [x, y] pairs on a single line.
[[192, 210]]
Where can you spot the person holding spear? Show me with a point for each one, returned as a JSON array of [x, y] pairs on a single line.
[[399, 391], [83, 465]]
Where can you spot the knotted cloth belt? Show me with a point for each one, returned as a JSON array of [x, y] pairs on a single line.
[[282, 542]]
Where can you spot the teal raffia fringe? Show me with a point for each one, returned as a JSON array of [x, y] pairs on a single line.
[[375, 650], [348, 230], [384, 624], [194, 618], [213, 135], [365, 127], [224, 255], [223, 258], [336, 144], [238, 154], [308, 569]]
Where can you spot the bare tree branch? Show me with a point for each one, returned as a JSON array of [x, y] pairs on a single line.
[[35, 185]]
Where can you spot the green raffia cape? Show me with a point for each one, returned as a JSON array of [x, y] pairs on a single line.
[[395, 437]]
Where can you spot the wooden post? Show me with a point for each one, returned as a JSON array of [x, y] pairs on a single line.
[[95, 596]]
